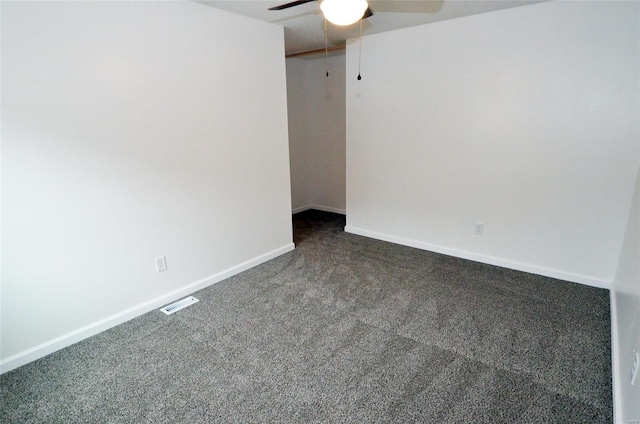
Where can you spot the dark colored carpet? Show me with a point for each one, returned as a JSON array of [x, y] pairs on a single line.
[[344, 329]]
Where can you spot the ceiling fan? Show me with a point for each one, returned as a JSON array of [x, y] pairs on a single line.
[[338, 12]]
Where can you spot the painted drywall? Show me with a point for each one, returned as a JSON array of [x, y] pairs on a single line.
[[298, 149], [133, 130], [317, 138], [625, 310], [524, 120]]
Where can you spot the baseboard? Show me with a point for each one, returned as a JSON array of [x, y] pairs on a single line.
[[505, 263], [319, 208], [68, 339], [615, 363], [300, 209]]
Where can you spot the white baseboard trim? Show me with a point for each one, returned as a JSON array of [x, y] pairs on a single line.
[[92, 329], [615, 363], [505, 263], [319, 208], [300, 209]]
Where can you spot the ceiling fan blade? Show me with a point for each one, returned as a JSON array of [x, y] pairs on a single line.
[[292, 4], [367, 13]]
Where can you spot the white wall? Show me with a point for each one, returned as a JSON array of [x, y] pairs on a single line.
[[525, 120], [298, 148], [625, 312], [317, 132], [131, 131]]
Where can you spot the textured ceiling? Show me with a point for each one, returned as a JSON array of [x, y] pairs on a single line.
[[304, 24]]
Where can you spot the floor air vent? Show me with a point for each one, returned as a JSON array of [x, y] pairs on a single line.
[[180, 304]]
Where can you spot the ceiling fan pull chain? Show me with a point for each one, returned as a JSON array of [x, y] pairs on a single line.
[[326, 49], [360, 58]]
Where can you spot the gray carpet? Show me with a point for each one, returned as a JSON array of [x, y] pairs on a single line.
[[343, 329]]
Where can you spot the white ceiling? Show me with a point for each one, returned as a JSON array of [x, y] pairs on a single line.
[[304, 24]]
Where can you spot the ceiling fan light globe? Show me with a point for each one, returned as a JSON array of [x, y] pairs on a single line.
[[343, 12]]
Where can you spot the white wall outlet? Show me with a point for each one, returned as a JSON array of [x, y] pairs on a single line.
[[634, 368], [478, 229], [161, 263]]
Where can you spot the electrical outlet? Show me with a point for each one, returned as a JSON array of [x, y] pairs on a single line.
[[478, 229], [161, 263], [634, 368]]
